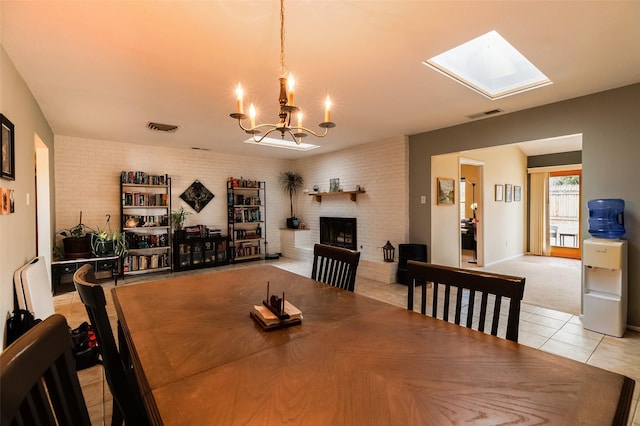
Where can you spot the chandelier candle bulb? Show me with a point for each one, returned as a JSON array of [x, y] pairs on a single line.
[[327, 110], [291, 85], [239, 94], [287, 108]]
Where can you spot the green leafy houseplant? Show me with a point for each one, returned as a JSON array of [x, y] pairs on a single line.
[[76, 241], [105, 242], [178, 217], [291, 182], [177, 221]]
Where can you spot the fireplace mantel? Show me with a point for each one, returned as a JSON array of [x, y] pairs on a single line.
[[352, 194]]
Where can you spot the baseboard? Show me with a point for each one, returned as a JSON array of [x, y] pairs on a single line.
[[633, 328]]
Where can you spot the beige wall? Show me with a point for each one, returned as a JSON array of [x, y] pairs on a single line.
[[610, 127], [88, 180], [18, 230], [501, 225]]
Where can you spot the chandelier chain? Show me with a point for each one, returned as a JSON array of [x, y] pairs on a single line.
[[283, 68], [287, 106]]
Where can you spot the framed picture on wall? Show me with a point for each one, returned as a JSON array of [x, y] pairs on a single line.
[[508, 193], [517, 193], [334, 185], [7, 156], [446, 191], [197, 196], [7, 205], [499, 192]]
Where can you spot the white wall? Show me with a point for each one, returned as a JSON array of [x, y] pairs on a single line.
[[88, 176], [380, 168], [88, 173]]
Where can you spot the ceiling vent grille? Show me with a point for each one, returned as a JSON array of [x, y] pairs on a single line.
[[159, 127], [484, 114]]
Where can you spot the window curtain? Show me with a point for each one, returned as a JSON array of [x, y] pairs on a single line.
[[539, 207]]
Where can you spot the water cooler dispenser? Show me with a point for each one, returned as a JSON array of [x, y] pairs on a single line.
[[604, 260]]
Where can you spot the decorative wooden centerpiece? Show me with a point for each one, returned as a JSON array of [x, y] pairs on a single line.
[[276, 313]]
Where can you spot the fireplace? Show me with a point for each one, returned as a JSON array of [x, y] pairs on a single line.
[[339, 231]]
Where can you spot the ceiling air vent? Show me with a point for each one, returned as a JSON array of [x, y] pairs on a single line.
[[484, 114], [159, 127]]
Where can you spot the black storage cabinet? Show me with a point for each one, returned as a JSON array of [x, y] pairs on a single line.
[[409, 252]]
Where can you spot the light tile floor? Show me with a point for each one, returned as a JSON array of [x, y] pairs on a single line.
[[545, 329]]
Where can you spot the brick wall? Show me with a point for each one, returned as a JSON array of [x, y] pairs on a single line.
[[381, 213], [88, 171], [87, 175]]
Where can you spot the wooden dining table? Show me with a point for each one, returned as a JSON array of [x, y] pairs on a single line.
[[201, 359]]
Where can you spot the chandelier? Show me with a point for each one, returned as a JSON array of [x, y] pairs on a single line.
[[287, 106]]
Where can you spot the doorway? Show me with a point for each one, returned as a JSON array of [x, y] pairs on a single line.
[[565, 200], [470, 202], [43, 201]]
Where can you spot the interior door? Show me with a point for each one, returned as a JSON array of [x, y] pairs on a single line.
[[565, 200]]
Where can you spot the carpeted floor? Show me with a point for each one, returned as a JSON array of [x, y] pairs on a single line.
[[551, 282]]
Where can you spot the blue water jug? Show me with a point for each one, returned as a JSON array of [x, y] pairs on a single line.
[[606, 218]]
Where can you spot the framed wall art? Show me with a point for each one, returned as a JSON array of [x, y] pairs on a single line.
[[508, 192], [499, 192], [446, 191], [7, 155], [7, 205], [197, 196], [517, 193], [334, 185]]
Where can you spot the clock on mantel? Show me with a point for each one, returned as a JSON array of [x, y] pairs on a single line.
[[352, 194]]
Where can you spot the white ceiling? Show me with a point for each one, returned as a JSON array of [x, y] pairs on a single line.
[[103, 69]]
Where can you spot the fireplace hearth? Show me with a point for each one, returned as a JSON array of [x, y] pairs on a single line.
[[339, 232]]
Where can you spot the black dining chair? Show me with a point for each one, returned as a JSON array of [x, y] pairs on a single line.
[[38, 378], [462, 289], [127, 402], [335, 266]]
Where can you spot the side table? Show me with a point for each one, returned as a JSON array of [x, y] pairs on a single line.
[[69, 266]]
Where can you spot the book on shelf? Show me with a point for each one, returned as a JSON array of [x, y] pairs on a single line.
[[244, 183], [142, 241], [132, 263], [143, 178], [247, 249], [143, 199]]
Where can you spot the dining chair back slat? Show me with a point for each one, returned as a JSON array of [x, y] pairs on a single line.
[[38, 378], [467, 286], [335, 266], [127, 403]]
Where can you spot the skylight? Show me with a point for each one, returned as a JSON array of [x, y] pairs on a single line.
[[490, 66], [279, 143]]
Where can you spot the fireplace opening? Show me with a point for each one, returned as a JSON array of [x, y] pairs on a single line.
[[339, 232]]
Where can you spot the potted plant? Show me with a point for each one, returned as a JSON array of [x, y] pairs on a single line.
[[105, 242], [177, 221], [291, 182], [76, 241]]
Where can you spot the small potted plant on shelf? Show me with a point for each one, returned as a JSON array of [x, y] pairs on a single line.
[[76, 241], [105, 242], [291, 182], [177, 221]]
